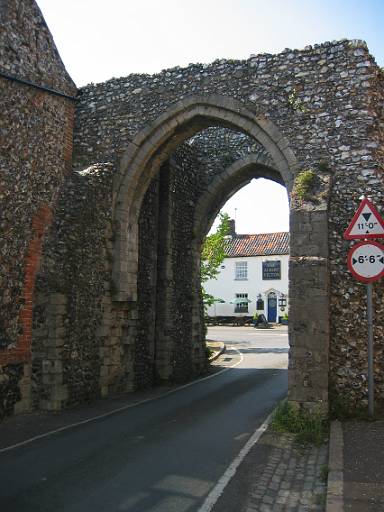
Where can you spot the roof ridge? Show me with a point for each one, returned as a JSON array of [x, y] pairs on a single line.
[[261, 234], [258, 244]]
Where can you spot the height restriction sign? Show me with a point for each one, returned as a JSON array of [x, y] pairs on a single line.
[[366, 223], [366, 261]]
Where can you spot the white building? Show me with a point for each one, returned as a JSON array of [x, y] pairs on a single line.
[[256, 269]]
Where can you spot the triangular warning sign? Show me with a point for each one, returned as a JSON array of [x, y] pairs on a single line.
[[366, 223]]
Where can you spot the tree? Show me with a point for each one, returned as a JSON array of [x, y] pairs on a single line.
[[212, 255]]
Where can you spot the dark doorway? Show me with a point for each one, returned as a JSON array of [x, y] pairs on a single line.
[[272, 307]]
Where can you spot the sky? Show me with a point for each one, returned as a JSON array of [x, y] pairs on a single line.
[[99, 39]]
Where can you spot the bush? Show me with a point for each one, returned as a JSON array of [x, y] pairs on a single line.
[[305, 183], [309, 426]]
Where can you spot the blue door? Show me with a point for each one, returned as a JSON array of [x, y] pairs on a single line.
[[272, 307]]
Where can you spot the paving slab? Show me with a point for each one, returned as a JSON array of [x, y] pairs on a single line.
[[278, 475], [363, 466]]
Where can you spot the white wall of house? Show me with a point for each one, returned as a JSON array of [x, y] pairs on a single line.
[[226, 286]]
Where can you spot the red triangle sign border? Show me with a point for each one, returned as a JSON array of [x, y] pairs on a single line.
[[347, 233]]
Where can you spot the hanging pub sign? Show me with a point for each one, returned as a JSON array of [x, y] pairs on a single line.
[[260, 305], [271, 270]]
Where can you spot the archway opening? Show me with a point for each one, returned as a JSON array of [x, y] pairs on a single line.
[[178, 208], [255, 254], [151, 162]]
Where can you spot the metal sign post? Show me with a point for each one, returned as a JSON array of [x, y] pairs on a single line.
[[371, 387], [366, 263]]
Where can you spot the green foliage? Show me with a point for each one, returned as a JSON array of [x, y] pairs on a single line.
[[324, 167], [305, 183], [309, 426], [208, 299], [296, 103], [324, 470], [212, 255], [344, 409]]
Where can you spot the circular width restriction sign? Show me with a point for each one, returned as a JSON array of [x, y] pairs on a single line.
[[366, 261]]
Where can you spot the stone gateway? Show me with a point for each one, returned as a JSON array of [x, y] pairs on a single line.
[[107, 193]]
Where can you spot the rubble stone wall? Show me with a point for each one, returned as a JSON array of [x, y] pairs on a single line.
[[36, 128], [85, 345], [325, 102], [72, 351], [168, 281], [137, 199], [360, 173]]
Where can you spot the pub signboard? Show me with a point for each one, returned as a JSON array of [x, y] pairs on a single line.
[[271, 270]]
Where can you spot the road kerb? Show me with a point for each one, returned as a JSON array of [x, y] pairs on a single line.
[[218, 348], [335, 490]]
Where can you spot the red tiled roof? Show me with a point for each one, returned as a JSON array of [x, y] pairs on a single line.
[[257, 245]]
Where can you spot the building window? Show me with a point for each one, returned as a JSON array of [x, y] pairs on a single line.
[[271, 270], [241, 307], [241, 270], [260, 305]]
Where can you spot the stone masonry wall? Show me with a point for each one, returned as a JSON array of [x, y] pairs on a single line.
[[167, 270], [325, 100], [78, 350], [36, 153], [71, 349], [361, 173], [174, 327], [63, 339], [145, 345]]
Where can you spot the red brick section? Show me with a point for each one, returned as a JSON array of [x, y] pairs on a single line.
[[40, 223], [22, 352]]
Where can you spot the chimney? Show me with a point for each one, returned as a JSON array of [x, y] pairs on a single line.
[[232, 228]]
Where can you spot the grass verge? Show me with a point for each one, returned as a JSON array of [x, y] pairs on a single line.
[[308, 426]]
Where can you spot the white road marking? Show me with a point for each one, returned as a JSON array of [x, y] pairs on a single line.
[[217, 491], [120, 409]]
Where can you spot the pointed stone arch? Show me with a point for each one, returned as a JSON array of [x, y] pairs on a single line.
[[223, 187], [154, 144], [309, 267]]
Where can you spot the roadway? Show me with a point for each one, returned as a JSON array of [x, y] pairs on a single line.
[[164, 455]]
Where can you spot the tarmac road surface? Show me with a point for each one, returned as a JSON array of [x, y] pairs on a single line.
[[164, 455]]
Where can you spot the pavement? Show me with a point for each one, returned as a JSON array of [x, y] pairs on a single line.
[[277, 474], [344, 475], [363, 466]]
